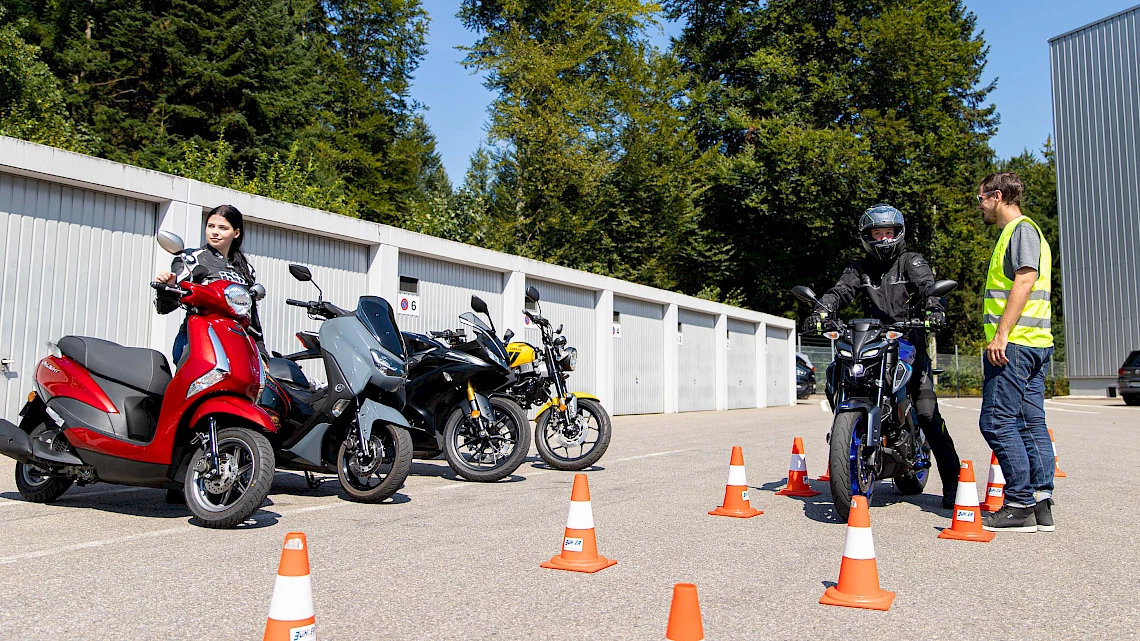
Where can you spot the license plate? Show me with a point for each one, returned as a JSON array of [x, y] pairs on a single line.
[[1133, 383]]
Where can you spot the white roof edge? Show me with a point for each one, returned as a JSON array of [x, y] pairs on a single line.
[[79, 170]]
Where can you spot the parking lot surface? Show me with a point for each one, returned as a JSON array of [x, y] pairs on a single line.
[[449, 559]]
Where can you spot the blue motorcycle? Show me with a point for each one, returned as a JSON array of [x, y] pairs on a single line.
[[874, 432]]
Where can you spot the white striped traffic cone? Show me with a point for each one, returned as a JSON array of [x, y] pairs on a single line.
[[967, 523], [858, 585], [736, 491], [995, 487], [797, 473], [579, 544], [291, 616]]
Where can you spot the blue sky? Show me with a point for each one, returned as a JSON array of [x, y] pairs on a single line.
[[1017, 32]]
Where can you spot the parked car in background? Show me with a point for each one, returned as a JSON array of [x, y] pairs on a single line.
[[805, 376], [1128, 385]]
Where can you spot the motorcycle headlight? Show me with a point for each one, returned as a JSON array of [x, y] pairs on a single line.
[[845, 353], [569, 359], [870, 353], [239, 300], [387, 364]]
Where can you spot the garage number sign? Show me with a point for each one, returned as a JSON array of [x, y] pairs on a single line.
[[408, 304]]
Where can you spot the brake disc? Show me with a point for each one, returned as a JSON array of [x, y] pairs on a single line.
[[225, 476]]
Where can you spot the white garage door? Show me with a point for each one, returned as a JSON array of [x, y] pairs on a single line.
[[445, 290], [573, 307], [779, 373], [639, 361], [696, 378], [340, 269], [75, 262], [741, 364]]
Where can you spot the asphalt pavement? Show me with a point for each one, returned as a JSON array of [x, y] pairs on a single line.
[[448, 559]]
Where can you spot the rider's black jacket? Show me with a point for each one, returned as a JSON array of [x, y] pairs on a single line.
[[217, 267], [887, 287]]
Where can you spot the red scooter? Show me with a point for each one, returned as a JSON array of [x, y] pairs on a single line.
[[104, 412]]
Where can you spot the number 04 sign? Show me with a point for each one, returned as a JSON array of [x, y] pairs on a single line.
[[408, 304]]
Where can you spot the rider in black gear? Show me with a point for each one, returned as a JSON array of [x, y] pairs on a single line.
[[889, 277]]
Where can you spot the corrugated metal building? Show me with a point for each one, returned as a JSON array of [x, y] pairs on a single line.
[[1096, 119], [77, 242]]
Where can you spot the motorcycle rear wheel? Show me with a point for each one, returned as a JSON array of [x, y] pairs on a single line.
[[253, 457], [589, 451], [36, 486], [477, 459], [389, 473]]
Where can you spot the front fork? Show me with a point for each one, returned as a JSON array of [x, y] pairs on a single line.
[[209, 439], [475, 413]]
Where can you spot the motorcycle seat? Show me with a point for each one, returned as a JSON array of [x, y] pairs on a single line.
[[137, 367]]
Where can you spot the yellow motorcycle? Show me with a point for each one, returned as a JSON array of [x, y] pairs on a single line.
[[572, 430]]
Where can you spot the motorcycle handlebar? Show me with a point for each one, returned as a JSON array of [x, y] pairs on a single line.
[[296, 303], [169, 289]]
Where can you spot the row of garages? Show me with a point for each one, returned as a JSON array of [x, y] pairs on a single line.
[[78, 261]]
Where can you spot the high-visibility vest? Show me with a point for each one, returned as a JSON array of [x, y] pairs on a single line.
[[1033, 327]]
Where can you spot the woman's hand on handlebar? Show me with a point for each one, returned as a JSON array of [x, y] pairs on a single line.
[[166, 278]]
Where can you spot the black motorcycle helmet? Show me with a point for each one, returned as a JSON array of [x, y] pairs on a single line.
[[878, 217]]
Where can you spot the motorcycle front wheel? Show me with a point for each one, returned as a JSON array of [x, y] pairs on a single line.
[[376, 475], [490, 450], [850, 474], [574, 447], [227, 496]]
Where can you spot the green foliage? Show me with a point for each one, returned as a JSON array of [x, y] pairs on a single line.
[[32, 106], [289, 177], [817, 109]]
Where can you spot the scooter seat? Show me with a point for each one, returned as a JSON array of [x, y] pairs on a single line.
[[138, 367]]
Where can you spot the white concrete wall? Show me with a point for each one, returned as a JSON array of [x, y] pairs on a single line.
[[180, 202]]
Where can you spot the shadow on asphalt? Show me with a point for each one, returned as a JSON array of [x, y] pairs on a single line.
[[820, 508], [444, 471]]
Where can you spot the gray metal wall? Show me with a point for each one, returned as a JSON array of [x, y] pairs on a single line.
[[741, 364], [572, 307], [445, 291], [776, 361], [75, 262], [1096, 115], [639, 362], [340, 268], [696, 358]]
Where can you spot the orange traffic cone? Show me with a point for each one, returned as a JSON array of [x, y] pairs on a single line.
[[1056, 463], [579, 545], [797, 473], [967, 523], [291, 611], [858, 575], [995, 487], [826, 476], [685, 615], [736, 491]]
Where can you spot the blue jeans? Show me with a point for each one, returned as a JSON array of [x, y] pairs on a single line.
[[1013, 422], [180, 343]]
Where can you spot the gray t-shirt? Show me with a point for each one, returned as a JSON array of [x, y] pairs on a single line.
[[1024, 250]]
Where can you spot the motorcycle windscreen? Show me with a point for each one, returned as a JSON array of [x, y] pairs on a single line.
[[906, 352], [377, 315], [486, 337]]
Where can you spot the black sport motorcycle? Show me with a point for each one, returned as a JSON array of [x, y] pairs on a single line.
[[352, 427], [572, 429], [874, 432], [451, 380]]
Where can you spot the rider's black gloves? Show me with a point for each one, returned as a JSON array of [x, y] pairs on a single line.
[[813, 324], [935, 319]]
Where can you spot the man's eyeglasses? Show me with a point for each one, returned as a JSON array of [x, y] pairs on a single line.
[[984, 195]]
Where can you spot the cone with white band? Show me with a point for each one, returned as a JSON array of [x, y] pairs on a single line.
[[995, 487], [291, 616], [736, 491], [858, 585], [1056, 463], [967, 523], [797, 473], [685, 615], [579, 545]]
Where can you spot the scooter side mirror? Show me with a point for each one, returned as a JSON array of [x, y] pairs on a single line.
[[532, 293], [257, 292], [170, 242], [559, 330], [805, 294], [478, 305], [301, 273], [941, 288], [508, 336]]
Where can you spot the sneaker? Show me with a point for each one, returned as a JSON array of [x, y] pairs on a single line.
[[1043, 512], [1011, 519]]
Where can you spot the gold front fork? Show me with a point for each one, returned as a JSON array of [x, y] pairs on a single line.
[[472, 401]]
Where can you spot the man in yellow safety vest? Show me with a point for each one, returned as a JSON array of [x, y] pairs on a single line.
[[1016, 317]]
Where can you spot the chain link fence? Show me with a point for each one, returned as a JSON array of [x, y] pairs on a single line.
[[961, 376]]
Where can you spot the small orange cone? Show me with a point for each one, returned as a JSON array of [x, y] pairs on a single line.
[[967, 523], [291, 615], [797, 473], [995, 487], [826, 476], [579, 545], [736, 491], [858, 575], [1056, 463], [685, 615]]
